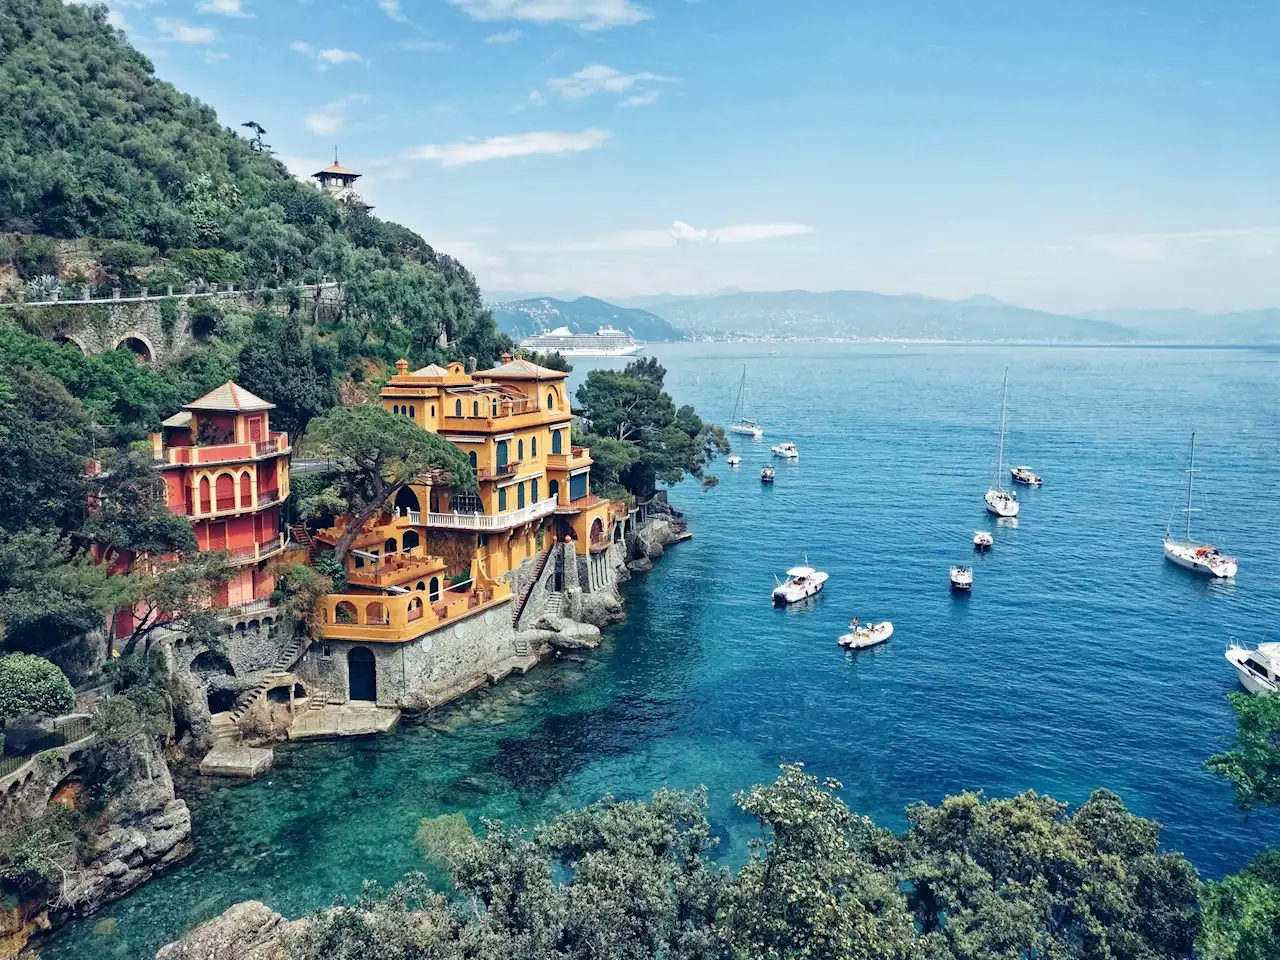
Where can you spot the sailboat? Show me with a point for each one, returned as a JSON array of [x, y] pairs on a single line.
[[1001, 501], [1198, 557], [741, 422]]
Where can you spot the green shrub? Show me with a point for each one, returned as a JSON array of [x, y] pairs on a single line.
[[211, 266], [31, 685], [125, 254], [31, 257]]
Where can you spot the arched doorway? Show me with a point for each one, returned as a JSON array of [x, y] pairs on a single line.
[[553, 490], [362, 675], [597, 530], [406, 499]]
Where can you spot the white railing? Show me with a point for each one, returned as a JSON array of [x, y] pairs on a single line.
[[413, 516], [500, 521], [259, 551], [248, 609]]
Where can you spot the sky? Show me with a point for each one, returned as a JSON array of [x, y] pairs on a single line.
[[1066, 156]]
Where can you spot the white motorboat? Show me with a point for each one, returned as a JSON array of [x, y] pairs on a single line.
[[742, 423], [1190, 554], [1025, 476], [982, 540], [1001, 501], [801, 582], [962, 578], [786, 449], [734, 460], [861, 637], [1258, 669], [766, 475]]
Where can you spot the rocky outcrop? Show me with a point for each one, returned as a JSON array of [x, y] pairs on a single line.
[[562, 633], [599, 609], [247, 931]]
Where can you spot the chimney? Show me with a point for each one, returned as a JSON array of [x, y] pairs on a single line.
[[471, 364], [506, 358], [402, 367]]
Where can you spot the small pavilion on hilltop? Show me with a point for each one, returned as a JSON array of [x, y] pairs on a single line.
[[339, 182]]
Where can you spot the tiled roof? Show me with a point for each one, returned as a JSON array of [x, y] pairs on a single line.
[[337, 168], [431, 370], [230, 398], [182, 419], [522, 369]]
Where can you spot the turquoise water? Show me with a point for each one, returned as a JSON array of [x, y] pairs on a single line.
[[1082, 659]]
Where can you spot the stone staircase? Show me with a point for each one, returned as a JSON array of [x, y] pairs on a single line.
[[302, 536], [554, 608], [538, 571], [226, 726]]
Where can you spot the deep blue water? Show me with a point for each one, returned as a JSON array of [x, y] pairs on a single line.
[[1081, 660]]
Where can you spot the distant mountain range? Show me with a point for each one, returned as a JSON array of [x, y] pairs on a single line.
[[848, 314], [524, 318]]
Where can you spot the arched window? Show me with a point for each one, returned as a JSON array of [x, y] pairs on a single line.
[[395, 409], [495, 409], [519, 495], [533, 447], [502, 499], [390, 546], [519, 450], [206, 505], [533, 490], [553, 489], [246, 489], [410, 540], [475, 408], [551, 399], [434, 592], [457, 408], [225, 488], [419, 585], [413, 413], [472, 457], [502, 454], [433, 411], [556, 447]]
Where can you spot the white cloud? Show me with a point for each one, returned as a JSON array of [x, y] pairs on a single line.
[[301, 167], [539, 142], [329, 56], [537, 98], [598, 78], [590, 14], [328, 119], [392, 9], [225, 8], [645, 99], [508, 36], [180, 32], [679, 234], [425, 46]]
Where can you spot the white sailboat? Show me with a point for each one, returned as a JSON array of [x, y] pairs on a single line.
[[1258, 669], [741, 422], [1188, 553], [1001, 501]]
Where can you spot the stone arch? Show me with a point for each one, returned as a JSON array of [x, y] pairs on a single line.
[[410, 540], [376, 612], [73, 340], [406, 499], [137, 344], [210, 663], [345, 612]]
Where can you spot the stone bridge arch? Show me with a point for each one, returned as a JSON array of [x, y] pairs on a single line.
[[137, 343]]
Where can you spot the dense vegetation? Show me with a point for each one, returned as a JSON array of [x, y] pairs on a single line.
[[971, 879]]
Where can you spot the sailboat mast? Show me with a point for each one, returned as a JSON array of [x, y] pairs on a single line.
[[739, 410], [1191, 474], [1004, 392]]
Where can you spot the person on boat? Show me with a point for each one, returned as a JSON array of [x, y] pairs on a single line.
[[853, 625]]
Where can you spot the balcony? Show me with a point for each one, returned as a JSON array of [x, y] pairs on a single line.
[[395, 569], [508, 469], [256, 551], [277, 443], [486, 523], [253, 608], [404, 617], [576, 458], [229, 506], [582, 503]]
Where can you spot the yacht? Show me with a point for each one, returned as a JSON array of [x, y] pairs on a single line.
[[1258, 669], [1190, 554], [766, 475], [741, 422], [1001, 501], [606, 342], [962, 578], [734, 460], [866, 635], [982, 540], [786, 449], [801, 582], [1026, 476]]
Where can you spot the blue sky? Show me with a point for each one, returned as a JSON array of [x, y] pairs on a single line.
[[1068, 156]]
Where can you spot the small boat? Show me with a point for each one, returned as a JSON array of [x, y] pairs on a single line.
[[982, 540], [734, 460], [1197, 557], [766, 475], [1258, 669], [1000, 500], [962, 578], [867, 635], [801, 582], [1025, 476], [786, 449], [741, 422]]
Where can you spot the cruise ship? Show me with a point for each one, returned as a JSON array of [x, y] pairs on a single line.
[[605, 342]]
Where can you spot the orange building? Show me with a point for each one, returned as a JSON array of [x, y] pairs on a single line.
[[228, 471]]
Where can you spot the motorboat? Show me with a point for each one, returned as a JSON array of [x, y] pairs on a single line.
[[1259, 668], [766, 475], [983, 540], [742, 423], [1190, 554], [962, 578], [734, 460], [786, 449], [1025, 476], [1000, 500], [864, 636], [801, 582]]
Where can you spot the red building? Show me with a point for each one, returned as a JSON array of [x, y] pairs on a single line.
[[228, 471]]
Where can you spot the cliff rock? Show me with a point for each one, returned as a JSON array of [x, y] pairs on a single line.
[[246, 931]]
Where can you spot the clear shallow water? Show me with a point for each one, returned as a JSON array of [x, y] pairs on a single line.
[[1082, 659]]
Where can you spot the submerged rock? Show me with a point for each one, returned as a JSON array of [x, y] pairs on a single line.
[[246, 931]]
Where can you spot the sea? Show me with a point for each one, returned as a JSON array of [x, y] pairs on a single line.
[[1081, 660]]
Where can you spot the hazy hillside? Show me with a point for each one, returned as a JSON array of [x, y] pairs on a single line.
[[524, 318], [1192, 326], [864, 315]]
